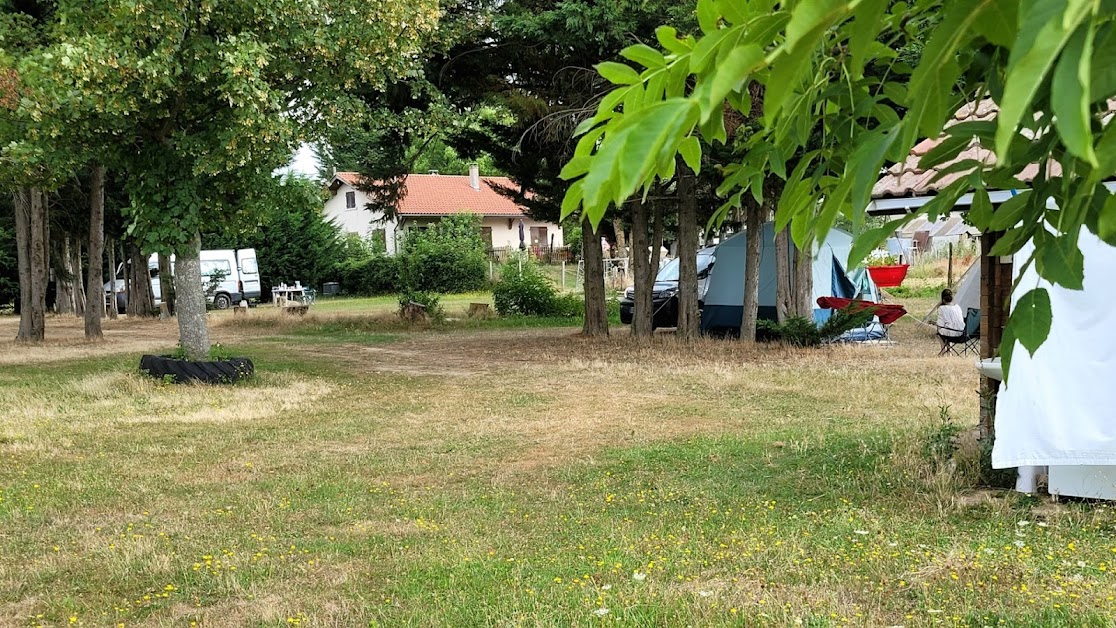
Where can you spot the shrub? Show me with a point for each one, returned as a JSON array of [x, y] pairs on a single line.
[[573, 306], [429, 300], [523, 290], [447, 257], [804, 332], [370, 276], [800, 332]]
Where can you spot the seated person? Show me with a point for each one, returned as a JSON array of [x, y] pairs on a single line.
[[951, 322]]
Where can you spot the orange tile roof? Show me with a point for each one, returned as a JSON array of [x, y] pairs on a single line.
[[443, 195]]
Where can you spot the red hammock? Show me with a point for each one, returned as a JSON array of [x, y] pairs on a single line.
[[887, 314]]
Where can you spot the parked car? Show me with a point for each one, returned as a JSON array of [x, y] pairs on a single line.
[[228, 276], [664, 297]]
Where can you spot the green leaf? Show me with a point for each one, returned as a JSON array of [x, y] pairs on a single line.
[[706, 50], [980, 212], [865, 163], [1013, 240], [1007, 348], [576, 167], [1069, 94], [690, 149], [733, 10], [810, 19], [1102, 81], [930, 95], [946, 200], [644, 55], [668, 39], [999, 23], [865, 30], [1030, 320], [1010, 212], [947, 149], [728, 76], [1046, 29], [868, 241], [708, 15], [572, 200], [618, 73], [1060, 261], [1106, 223]]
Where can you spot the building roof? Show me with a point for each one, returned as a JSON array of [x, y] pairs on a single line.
[[443, 195], [908, 178]]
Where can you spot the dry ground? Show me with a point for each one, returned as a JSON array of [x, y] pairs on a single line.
[[374, 475]]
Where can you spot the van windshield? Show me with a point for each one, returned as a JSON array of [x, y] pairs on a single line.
[[670, 271]]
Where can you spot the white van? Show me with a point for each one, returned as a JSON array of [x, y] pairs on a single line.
[[228, 276]]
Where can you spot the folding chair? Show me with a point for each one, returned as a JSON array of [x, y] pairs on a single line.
[[969, 338]]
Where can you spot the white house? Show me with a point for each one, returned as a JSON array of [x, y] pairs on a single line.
[[430, 197]]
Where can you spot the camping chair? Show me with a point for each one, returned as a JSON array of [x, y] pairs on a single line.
[[885, 313], [969, 339]]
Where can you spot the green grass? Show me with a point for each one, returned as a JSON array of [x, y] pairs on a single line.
[[369, 475]]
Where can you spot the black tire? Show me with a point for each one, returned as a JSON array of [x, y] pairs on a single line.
[[183, 371], [222, 301]]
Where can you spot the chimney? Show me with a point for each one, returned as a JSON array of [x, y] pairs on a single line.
[[474, 177]]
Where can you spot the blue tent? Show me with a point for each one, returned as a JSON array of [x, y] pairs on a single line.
[[724, 300]]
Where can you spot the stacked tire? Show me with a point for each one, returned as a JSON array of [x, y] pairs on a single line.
[[185, 371]]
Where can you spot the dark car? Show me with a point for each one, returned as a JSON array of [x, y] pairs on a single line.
[[664, 297]]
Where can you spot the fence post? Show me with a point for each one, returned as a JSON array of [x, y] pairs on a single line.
[[949, 272], [520, 266], [491, 274], [563, 275]]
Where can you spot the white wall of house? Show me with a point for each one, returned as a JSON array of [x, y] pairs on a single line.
[[358, 219], [505, 234]]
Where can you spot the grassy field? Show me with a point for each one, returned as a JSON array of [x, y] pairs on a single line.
[[481, 475]]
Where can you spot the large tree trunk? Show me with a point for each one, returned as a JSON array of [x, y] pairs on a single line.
[[94, 286], [804, 282], [784, 302], [642, 320], [21, 200], [689, 319], [166, 287], [141, 302], [36, 306], [753, 223], [110, 246], [596, 307], [64, 280], [621, 249], [192, 331]]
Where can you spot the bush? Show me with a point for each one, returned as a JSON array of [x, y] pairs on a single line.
[[370, 276], [430, 301], [448, 257], [523, 290], [573, 306], [804, 332]]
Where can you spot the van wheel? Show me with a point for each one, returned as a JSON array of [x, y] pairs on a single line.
[[222, 301]]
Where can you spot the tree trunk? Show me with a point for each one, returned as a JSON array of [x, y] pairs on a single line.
[[140, 300], [21, 201], [642, 320], [38, 269], [596, 308], [166, 287], [656, 239], [110, 246], [79, 285], [804, 282], [784, 303], [753, 223], [94, 290], [689, 319], [64, 280], [192, 332], [621, 249]]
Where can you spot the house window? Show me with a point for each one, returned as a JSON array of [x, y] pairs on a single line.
[[486, 236], [350, 200]]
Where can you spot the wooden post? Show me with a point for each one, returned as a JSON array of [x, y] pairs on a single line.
[[995, 299], [949, 271]]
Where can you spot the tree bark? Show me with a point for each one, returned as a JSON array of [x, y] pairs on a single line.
[[753, 223], [596, 308], [804, 282], [166, 287], [21, 201], [94, 290], [621, 249], [642, 320], [64, 282], [689, 319], [38, 268], [784, 303], [79, 273], [110, 245], [192, 331], [656, 239], [141, 302]]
